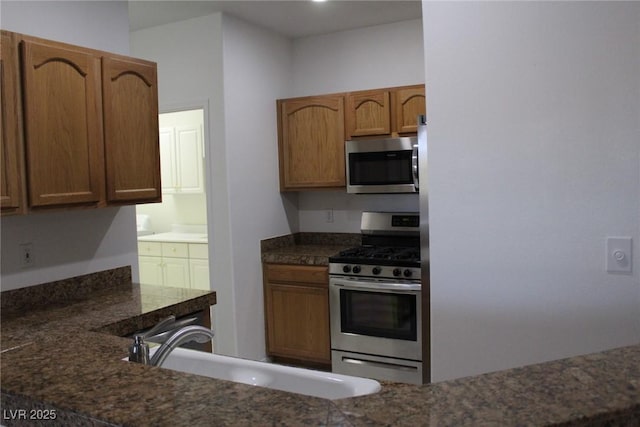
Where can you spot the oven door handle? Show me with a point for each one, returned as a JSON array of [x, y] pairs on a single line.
[[375, 285], [375, 364], [414, 167]]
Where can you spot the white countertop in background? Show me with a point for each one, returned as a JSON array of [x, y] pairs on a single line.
[[173, 236]]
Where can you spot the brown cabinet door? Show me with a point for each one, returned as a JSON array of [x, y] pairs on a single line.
[[297, 312], [311, 142], [131, 130], [410, 103], [299, 322], [63, 124], [368, 113], [11, 158]]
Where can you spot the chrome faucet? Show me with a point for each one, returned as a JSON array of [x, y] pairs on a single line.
[[139, 350], [188, 333]]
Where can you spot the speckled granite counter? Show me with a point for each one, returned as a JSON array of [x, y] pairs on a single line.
[[306, 248], [601, 389], [65, 359]]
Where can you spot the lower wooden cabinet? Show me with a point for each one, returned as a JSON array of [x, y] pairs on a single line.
[[297, 312]]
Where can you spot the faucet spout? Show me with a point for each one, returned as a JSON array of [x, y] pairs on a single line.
[[185, 334]]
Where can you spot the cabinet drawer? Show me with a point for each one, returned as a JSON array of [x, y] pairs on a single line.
[[198, 250], [180, 250], [149, 249], [297, 274]]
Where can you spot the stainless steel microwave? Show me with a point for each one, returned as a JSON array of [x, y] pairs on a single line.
[[382, 165]]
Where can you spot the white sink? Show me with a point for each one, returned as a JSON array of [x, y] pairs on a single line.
[[326, 385]]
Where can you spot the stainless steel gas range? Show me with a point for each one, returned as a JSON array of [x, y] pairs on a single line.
[[375, 301]]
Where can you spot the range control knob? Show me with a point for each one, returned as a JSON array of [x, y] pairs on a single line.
[[408, 273], [397, 272], [346, 268], [376, 270], [356, 269]]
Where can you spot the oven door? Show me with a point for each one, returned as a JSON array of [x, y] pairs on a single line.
[[376, 317], [382, 166]]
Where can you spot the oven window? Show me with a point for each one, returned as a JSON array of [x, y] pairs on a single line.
[[380, 168], [378, 314]]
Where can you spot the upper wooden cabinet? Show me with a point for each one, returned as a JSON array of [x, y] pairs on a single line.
[[368, 113], [409, 103], [311, 142], [63, 126], [130, 89], [312, 131], [384, 112], [90, 125], [11, 154]]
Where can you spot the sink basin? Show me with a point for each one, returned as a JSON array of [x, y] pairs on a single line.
[[326, 385]]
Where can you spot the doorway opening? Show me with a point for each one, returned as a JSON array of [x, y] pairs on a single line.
[[173, 249]]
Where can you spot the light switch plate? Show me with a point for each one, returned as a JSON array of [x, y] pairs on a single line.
[[619, 254]]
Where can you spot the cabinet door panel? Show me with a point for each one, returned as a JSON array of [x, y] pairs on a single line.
[[63, 133], [199, 250], [11, 157], [131, 130], [176, 272], [368, 113], [199, 274], [150, 270], [168, 169], [189, 156], [298, 323], [411, 103], [312, 142]]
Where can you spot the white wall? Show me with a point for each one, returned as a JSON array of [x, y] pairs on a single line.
[[239, 71], [534, 159], [257, 71], [188, 54], [366, 58], [100, 25], [68, 244]]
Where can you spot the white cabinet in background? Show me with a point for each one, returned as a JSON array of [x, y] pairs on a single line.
[[180, 265], [199, 266], [164, 264], [181, 159], [150, 270]]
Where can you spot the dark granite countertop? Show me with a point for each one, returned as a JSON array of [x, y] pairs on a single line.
[[306, 248], [66, 358]]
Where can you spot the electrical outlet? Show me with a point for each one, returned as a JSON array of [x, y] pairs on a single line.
[[26, 255], [329, 215]]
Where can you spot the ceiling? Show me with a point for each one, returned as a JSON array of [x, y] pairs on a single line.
[[292, 18]]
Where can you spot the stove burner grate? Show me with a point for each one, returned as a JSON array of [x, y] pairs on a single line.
[[374, 254]]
